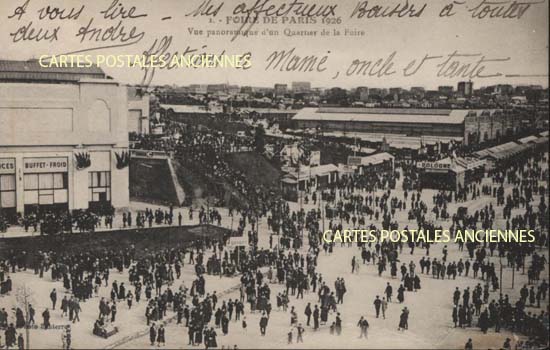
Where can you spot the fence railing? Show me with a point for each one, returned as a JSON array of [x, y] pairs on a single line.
[[148, 153]]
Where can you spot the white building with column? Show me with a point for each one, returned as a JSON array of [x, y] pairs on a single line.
[[63, 132]]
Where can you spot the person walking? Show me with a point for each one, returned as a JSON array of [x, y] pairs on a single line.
[[404, 319], [153, 334], [308, 313], [263, 324], [316, 318], [384, 307], [129, 299], [299, 333], [363, 324], [46, 319], [161, 339], [53, 298], [377, 303], [455, 315], [338, 324], [32, 312], [113, 312], [76, 310], [20, 342], [388, 291]]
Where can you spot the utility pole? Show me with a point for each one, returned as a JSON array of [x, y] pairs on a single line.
[[500, 274], [299, 191], [513, 272], [238, 248]]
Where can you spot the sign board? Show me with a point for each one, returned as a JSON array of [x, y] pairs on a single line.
[[45, 165], [315, 158], [7, 165], [238, 241], [354, 161], [433, 166]]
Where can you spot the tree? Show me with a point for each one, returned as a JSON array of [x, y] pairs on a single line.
[[24, 296], [259, 139]]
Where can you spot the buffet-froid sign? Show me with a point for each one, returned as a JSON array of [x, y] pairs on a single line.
[[7, 165], [45, 165]]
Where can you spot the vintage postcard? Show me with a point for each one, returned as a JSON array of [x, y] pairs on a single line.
[[274, 174]]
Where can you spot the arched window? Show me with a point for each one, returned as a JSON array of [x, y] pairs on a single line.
[[99, 117]]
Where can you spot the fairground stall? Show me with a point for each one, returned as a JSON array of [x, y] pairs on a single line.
[[451, 173]]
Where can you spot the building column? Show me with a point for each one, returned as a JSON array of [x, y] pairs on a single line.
[[120, 184], [19, 184]]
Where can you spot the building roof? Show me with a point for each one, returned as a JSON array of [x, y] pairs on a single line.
[[482, 153], [306, 173], [435, 116], [528, 139], [377, 158], [321, 170], [288, 180], [505, 150], [393, 138], [25, 71], [268, 110], [541, 140], [190, 109], [411, 144], [467, 163]]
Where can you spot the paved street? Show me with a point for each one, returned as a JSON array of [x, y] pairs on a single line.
[[430, 323]]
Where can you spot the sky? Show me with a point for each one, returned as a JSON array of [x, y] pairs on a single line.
[[521, 44]]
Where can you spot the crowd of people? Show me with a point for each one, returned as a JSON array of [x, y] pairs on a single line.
[[279, 277]]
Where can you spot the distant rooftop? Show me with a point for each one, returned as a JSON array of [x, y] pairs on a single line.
[[32, 71], [388, 115], [197, 109]]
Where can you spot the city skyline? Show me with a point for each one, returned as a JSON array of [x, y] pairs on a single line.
[[313, 87]]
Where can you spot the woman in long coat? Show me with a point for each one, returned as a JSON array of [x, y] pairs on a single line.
[[211, 341], [401, 294], [218, 316], [198, 336], [225, 324], [152, 334], [393, 269], [324, 315], [19, 318], [416, 283], [161, 336]]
